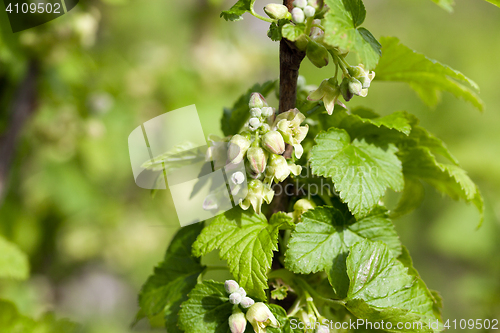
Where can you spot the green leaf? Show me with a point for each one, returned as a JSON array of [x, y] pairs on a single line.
[[446, 4], [382, 289], [357, 10], [321, 242], [426, 76], [412, 197], [207, 309], [247, 241], [274, 31], [419, 162], [495, 2], [341, 31], [361, 172], [173, 278], [13, 262], [239, 8], [292, 32], [234, 118]]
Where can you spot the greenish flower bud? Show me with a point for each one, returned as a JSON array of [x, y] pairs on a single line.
[[235, 298], [231, 286], [255, 112], [237, 322], [257, 158], [257, 101], [247, 302], [238, 145], [317, 54], [345, 91], [264, 128], [260, 317], [254, 123], [267, 111], [273, 142], [356, 71], [329, 92], [277, 11], [278, 168], [257, 193], [355, 86], [309, 11], [315, 3], [300, 3], [303, 205], [298, 15]]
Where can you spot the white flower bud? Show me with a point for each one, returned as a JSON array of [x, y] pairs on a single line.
[[210, 202], [322, 329], [300, 3], [247, 302], [309, 11], [298, 15], [267, 111], [231, 286], [313, 3], [237, 322], [235, 298], [242, 292], [255, 112], [277, 11], [254, 123], [355, 86]]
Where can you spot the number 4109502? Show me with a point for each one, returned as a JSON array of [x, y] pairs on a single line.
[[34, 8]]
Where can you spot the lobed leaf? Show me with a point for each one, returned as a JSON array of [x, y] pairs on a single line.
[[426, 76], [361, 172], [341, 31], [247, 241], [237, 10], [382, 289], [322, 241], [206, 310], [173, 278]]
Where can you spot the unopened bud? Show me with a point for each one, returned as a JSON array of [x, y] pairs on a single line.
[[314, 3], [238, 145], [255, 112], [309, 11], [254, 123], [260, 316], [317, 53], [257, 158], [257, 101], [264, 128], [303, 205], [247, 302], [277, 11], [267, 111], [355, 86], [235, 298], [298, 15], [242, 292], [231, 286], [322, 329], [210, 202], [345, 91], [237, 322], [300, 3], [273, 142]]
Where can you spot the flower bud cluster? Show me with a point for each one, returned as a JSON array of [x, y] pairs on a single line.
[[261, 145], [258, 314], [358, 82], [303, 9]]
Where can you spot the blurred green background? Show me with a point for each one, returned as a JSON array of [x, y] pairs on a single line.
[[69, 199]]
